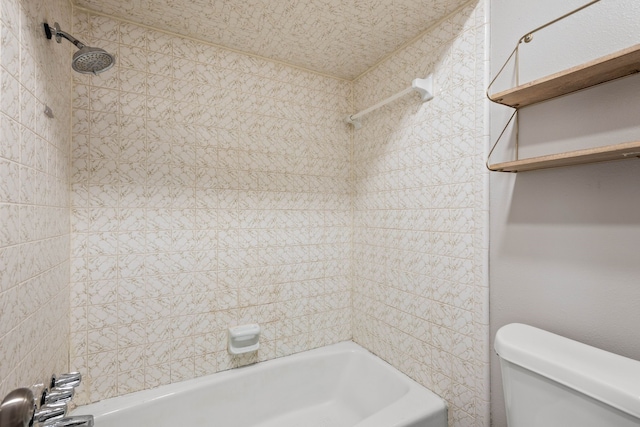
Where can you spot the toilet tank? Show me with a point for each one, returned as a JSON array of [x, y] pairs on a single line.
[[552, 381]]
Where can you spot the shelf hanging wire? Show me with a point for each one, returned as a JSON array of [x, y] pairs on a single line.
[[527, 38]]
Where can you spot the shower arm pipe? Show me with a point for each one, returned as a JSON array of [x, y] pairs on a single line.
[[56, 32], [422, 86], [75, 41]]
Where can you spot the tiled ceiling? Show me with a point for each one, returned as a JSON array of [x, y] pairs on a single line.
[[342, 38]]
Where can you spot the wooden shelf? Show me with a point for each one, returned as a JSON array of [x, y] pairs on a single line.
[[625, 150], [604, 69]]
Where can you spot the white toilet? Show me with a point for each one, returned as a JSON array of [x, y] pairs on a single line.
[[552, 381]]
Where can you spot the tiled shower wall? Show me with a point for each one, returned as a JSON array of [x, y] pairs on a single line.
[[420, 207], [34, 193], [209, 189]]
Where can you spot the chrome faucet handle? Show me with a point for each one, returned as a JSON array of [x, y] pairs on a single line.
[[74, 421], [71, 379], [51, 411], [59, 395]]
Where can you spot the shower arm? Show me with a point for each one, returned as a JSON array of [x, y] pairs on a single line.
[[59, 34], [75, 41]]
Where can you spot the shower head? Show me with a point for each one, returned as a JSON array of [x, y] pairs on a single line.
[[87, 60], [92, 60]]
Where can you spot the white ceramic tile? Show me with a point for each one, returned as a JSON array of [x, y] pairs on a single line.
[[204, 191], [416, 199], [34, 195], [161, 258]]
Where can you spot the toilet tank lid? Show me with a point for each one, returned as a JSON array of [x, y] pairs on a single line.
[[606, 377]]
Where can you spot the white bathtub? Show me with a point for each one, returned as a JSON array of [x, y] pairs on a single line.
[[336, 386]]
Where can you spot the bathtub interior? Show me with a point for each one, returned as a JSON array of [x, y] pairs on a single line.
[[336, 389]]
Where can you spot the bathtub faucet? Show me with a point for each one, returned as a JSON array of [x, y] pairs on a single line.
[[43, 407], [74, 421]]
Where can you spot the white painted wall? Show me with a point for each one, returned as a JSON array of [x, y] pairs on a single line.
[[564, 242]]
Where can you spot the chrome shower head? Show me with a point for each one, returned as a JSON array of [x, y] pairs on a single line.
[[92, 60], [87, 60]]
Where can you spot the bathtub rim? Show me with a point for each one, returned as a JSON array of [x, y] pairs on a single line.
[[417, 395]]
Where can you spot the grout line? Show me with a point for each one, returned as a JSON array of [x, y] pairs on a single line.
[[70, 204], [208, 43], [352, 179], [412, 40]]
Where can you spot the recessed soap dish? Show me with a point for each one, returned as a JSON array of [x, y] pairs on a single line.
[[244, 339]]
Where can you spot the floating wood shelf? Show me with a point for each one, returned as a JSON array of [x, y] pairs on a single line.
[[625, 150], [604, 69]]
